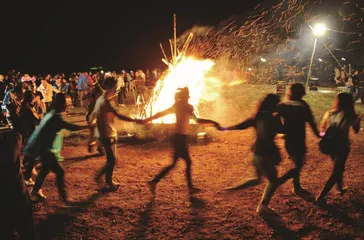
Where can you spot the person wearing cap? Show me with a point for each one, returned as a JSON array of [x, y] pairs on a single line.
[[103, 117], [40, 146], [184, 112]]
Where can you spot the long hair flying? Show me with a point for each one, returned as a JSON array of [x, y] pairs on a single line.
[[344, 103], [267, 105]]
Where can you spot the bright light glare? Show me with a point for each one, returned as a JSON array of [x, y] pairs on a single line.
[[319, 29], [263, 59], [250, 69], [344, 59]]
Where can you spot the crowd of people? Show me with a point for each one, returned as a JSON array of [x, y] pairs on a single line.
[[36, 126], [352, 80], [79, 86]]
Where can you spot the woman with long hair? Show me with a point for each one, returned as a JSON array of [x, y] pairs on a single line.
[[266, 153], [344, 115]]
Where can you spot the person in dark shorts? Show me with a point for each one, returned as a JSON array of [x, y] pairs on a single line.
[[103, 115], [295, 114], [184, 112], [266, 153]]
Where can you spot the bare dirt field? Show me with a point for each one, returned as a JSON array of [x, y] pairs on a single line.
[[132, 212]]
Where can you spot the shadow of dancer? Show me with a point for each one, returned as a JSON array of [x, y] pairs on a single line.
[[341, 215], [279, 228], [54, 224], [197, 220], [144, 220], [183, 112], [266, 153], [84, 157]]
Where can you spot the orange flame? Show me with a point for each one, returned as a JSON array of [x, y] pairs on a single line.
[[189, 72]]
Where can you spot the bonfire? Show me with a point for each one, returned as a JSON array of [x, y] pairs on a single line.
[[182, 71]]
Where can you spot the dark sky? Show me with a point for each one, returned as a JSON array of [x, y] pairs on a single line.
[[68, 35]]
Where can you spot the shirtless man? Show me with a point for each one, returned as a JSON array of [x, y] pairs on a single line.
[[184, 112]]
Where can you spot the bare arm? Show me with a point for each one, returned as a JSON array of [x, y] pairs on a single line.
[[206, 122], [159, 115], [324, 123], [120, 116], [55, 90], [312, 122], [73, 127], [250, 122]]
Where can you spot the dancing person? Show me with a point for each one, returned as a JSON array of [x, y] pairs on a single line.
[[266, 153], [30, 119], [96, 92], [184, 112], [104, 114], [40, 145], [295, 113], [15, 206], [342, 115]]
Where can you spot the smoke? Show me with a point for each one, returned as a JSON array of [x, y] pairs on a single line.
[[279, 33]]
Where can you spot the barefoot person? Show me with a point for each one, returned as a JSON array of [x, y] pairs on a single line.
[[184, 112], [295, 113], [266, 153], [104, 114], [344, 116], [40, 144]]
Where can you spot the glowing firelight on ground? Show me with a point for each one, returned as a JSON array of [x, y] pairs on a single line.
[[189, 72]]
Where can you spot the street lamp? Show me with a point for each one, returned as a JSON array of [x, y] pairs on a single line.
[[318, 30]]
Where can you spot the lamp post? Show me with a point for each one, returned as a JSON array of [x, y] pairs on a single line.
[[318, 30]]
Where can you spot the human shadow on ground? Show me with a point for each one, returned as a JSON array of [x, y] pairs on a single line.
[[280, 229], [83, 158], [54, 225], [342, 216], [144, 221], [197, 220]]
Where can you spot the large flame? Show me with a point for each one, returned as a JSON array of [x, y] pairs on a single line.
[[189, 72]]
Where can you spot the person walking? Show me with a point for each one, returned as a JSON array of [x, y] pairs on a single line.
[[344, 116]]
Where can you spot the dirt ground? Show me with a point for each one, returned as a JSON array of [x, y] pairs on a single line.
[[132, 212]]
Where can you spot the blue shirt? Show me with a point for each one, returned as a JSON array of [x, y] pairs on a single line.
[[44, 135], [83, 83]]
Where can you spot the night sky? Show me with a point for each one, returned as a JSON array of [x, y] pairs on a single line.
[[72, 35]]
